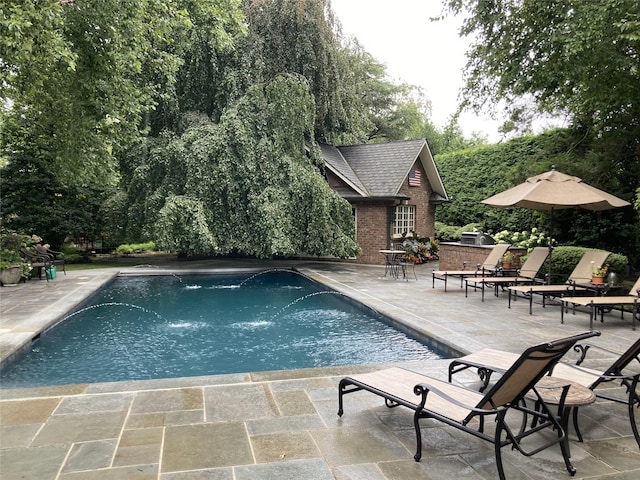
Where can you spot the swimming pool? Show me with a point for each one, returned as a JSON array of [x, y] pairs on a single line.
[[164, 326]]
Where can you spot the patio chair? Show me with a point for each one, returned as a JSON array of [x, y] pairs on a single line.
[[526, 274], [605, 303], [581, 275], [56, 257], [489, 267], [37, 261], [404, 263], [468, 410], [624, 369]]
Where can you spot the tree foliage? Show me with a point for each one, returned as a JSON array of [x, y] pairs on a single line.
[[171, 107], [578, 56], [248, 185], [203, 137], [35, 202], [475, 174], [77, 76]]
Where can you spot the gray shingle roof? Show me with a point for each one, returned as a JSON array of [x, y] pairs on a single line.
[[340, 167], [380, 169]]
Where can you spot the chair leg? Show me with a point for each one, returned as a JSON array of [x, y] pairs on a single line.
[[416, 424], [633, 403], [497, 445]]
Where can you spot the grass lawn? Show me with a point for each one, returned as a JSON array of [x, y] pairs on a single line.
[[98, 264], [110, 261], [104, 263]]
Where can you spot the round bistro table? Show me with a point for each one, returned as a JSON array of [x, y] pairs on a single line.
[[550, 389]]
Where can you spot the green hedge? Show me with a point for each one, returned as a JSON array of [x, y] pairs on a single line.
[[472, 175], [130, 248], [453, 233]]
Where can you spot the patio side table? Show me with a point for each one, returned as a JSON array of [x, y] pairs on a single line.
[[552, 392]]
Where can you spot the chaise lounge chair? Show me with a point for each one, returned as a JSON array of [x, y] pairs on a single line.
[[581, 275], [468, 410], [625, 369], [603, 303], [487, 268], [526, 274]]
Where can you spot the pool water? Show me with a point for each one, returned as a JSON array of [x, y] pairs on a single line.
[[149, 327]]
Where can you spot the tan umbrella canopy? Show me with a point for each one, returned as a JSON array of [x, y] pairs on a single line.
[[554, 190]]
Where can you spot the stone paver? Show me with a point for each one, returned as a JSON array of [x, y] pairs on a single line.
[[283, 425]]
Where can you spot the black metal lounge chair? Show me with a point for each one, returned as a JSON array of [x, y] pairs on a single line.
[[624, 369], [605, 302], [581, 275], [526, 274], [489, 267], [57, 258], [468, 410]]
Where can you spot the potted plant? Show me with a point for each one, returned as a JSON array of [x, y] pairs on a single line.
[[598, 274], [13, 265], [507, 259]]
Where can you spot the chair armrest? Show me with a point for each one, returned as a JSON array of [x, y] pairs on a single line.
[[584, 347], [622, 376], [35, 257], [423, 389]]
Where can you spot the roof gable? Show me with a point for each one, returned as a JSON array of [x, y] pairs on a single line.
[[382, 168], [339, 166]]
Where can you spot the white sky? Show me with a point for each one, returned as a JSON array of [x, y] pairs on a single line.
[[399, 34]]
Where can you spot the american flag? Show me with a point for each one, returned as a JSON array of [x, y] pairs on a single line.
[[414, 178]]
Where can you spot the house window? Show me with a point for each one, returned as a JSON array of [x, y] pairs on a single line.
[[404, 219]]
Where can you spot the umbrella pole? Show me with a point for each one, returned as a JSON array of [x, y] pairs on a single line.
[[550, 246]]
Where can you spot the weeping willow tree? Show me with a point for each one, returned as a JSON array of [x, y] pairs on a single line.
[[229, 165], [247, 184]]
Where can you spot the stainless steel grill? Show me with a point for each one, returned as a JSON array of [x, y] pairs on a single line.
[[476, 238]]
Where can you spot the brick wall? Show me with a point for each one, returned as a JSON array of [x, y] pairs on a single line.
[[372, 231], [425, 211], [373, 228]]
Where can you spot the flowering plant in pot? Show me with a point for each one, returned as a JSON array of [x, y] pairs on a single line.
[[13, 265], [508, 259], [598, 273]]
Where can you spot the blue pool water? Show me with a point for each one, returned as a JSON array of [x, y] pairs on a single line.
[[148, 327]]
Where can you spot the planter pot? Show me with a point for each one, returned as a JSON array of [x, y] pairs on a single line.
[[10, 277], [597, 280], [506, 265]]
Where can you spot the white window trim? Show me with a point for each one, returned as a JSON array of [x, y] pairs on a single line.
[[404, 220]]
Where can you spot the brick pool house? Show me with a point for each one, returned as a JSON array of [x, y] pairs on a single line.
[[392, 187]]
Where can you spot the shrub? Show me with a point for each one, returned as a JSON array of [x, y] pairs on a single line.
[[419, 249], [524, 239], [130, 248], [452, 233], [74, 254]]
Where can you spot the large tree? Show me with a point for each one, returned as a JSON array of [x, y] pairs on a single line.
[[244, 185], [77, 75], [581, 57]]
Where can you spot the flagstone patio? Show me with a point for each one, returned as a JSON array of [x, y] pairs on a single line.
[[283, 425]]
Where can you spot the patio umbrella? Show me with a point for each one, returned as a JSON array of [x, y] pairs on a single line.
[[554, 190]]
